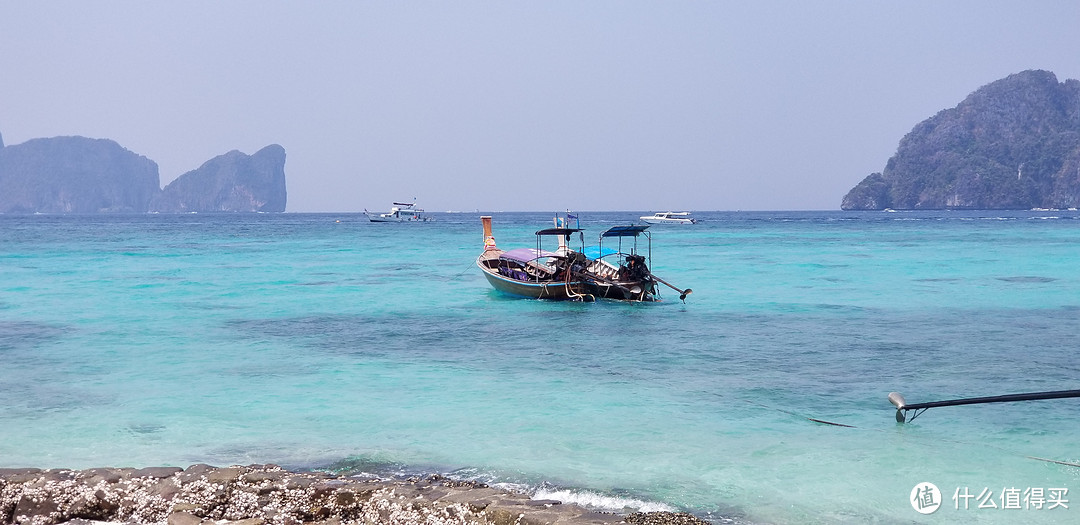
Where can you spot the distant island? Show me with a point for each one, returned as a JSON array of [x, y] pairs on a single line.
[[83, 175], [1012, 144]]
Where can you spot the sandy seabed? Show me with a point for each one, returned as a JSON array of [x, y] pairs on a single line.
[[270, 495]]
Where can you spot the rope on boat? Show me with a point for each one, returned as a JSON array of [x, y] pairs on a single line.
[[467, 269], [570, 291]]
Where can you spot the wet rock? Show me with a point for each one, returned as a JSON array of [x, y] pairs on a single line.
[[224, 474], [183, 518], [94, 476], [186, 507], [259, 477], [19, 475], [58, 475], [664, 518], [194, 472], [433, 493], [294, 483], [539, 517], [500, 516], [165, 489], [248, 521], [33, 510], [156, 472], [96, 506], [467, 496], [344, 498], [598, 518]]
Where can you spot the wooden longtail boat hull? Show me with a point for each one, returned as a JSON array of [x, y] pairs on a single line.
[[555, 290], [567, 291]]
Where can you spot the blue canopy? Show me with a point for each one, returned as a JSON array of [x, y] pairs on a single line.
[[625, 231], [524, 255], [596, 252]]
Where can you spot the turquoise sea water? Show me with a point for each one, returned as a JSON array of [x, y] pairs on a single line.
[[322, 340]]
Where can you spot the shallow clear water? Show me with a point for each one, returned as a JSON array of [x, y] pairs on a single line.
[[321, 340]]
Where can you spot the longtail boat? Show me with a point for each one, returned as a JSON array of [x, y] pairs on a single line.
[[566, 274]]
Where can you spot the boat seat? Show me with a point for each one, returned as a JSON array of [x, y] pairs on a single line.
[[539, 271], [603, 270]]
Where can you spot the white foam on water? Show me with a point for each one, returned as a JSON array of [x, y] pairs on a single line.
[[598, 501]]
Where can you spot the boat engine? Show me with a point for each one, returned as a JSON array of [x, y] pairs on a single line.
[[635, 269], [574, 264]]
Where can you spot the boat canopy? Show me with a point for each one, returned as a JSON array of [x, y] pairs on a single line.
[[596, 252], [524, 255], [625, 231], [565, 232]]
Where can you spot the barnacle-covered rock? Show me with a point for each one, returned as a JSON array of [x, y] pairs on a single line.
[[270, 495]]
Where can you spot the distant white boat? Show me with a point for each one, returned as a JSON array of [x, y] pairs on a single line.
[[669, 217], [400, 212]]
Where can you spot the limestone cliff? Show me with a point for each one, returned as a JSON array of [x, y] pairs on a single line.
[[75, 175], [83, 175], [233, 182], [1012, 144]]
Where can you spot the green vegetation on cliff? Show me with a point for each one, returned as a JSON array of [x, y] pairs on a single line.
[[1012, 144]]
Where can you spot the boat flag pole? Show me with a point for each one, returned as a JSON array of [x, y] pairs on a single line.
[[902, 406]]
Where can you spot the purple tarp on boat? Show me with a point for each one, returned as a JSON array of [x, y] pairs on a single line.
[[525, 254]]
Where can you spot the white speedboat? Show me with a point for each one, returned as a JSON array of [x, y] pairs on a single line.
[[400, 212], [669, 217]]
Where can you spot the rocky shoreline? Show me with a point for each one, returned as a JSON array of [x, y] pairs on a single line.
[[270, 495]]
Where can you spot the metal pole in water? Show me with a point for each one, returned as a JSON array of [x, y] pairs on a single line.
[[902, 406]]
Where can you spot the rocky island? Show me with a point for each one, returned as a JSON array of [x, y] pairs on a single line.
[[84, 175], [230, 182], [1012, 144]]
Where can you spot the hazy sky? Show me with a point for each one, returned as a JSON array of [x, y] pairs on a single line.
[[515, 105]]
